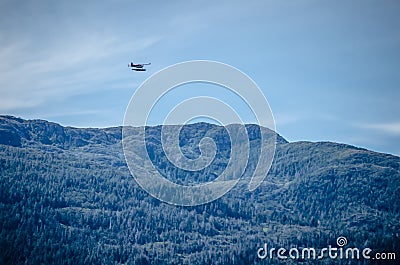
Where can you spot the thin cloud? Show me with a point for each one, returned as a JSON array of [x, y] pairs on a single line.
[[31, 77], [392, 128]]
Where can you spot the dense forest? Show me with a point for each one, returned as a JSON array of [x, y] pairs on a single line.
[[67, 197]]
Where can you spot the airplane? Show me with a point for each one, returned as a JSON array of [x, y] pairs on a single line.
[[138, 67]]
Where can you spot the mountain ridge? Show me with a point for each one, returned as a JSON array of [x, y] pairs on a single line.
[[113, 131]]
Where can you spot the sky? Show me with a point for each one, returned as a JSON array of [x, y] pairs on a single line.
[[329, 69]]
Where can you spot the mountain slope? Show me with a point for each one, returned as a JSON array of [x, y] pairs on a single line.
[[67, 197]]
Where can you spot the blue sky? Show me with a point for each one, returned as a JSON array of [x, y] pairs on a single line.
[[329, 69]]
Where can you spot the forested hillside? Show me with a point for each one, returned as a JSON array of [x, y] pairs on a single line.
[[67, 197]]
